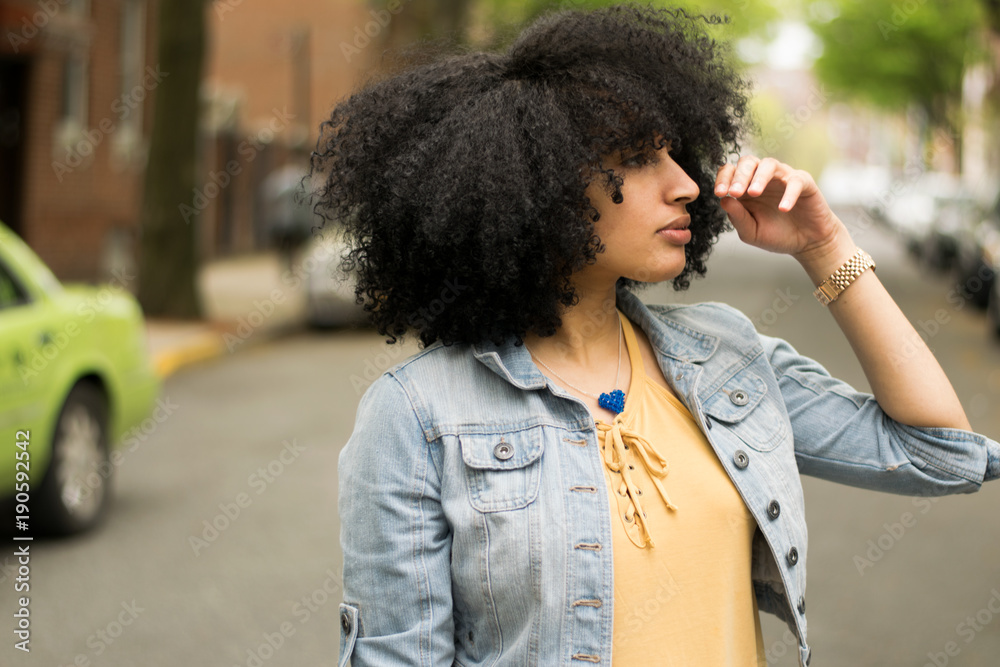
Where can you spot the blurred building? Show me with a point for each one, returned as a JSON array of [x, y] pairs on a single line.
[[75, 81], [271, 78]]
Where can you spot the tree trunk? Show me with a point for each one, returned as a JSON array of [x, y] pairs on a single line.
[[168, 259]]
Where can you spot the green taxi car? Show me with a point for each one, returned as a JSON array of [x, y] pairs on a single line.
[[75, 377]]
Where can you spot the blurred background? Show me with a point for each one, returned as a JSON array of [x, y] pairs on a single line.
[[183, 481]]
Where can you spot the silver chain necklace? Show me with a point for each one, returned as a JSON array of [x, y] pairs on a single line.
[[613, 400]]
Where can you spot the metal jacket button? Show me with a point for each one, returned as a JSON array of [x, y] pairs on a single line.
[[793, 556], [503, 451], [802, 605], [345, 622], [773, 509], [739, 397], [741, 459]]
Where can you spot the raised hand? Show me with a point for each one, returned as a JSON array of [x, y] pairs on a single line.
[[775, 207]]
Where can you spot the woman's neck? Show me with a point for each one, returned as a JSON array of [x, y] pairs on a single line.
[[588, 338]]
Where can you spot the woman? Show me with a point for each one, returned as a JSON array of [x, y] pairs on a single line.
[[560, 455]]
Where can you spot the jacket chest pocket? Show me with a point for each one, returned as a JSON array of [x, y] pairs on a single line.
[[502, 470], [744, 406]]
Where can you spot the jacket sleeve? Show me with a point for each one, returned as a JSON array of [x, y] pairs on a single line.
[[397, 606], [843, 435]]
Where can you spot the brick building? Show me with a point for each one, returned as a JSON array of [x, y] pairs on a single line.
[[75, 78], [271, 77], [76, 84]]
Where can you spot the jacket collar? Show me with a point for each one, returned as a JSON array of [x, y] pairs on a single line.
[[668, 337]]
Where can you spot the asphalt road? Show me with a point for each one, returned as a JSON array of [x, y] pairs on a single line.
[[222, 548]]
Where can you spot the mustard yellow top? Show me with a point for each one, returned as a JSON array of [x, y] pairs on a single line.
[[682, 537]]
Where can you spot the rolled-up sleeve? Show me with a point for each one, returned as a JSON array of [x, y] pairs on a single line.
[[397, 544], [844, 436]]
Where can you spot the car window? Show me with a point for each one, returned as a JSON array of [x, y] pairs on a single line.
[[11, 292]]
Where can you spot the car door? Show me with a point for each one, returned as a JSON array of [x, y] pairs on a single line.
[[25, 373]]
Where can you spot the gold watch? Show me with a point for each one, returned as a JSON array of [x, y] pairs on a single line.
[[830, 289]]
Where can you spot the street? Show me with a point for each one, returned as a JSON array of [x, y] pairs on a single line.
[[222, 546]]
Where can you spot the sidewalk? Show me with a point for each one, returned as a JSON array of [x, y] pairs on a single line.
[[246, 300]]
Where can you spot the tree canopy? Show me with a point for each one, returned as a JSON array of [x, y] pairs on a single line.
[[894, 54]]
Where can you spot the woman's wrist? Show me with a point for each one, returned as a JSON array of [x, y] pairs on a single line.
[[821, 259]]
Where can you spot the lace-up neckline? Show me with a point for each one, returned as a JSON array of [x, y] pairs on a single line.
[[619, 437]]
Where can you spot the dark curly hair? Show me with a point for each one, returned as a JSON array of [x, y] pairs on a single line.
[[460, 180]]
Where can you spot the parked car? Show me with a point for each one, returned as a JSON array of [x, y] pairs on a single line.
[[993, 308], [75, 376], [956, 215], [915, 208], [847, 185], [978, 256], [330, 300]]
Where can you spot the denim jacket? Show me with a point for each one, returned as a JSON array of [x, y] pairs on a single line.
[[460, 552]]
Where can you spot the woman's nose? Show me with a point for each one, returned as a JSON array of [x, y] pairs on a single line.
[[679, 188]]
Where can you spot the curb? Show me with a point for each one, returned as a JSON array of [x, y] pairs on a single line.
[[209, 344], [168, 361]]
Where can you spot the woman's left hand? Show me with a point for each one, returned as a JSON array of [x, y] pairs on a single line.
[[775, 207]]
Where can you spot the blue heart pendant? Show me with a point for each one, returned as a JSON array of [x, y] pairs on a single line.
[[615, 401]]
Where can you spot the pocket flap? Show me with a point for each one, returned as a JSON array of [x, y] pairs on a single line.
[[736, 399], [507, 451]]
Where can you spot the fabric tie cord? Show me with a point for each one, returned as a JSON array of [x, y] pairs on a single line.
[[617, 439]]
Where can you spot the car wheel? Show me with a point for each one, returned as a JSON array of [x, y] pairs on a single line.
[[74, 493]]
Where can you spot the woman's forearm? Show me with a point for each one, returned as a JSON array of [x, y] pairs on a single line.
[[907, 381]]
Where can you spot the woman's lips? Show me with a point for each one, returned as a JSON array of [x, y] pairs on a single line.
[[678, 236], [676, 232]]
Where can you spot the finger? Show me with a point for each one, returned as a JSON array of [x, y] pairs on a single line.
[[723, 178], [792, 192], [744, 172], [744, 223], [762, 176]]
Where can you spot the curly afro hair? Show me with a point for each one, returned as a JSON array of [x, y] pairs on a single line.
[[459, 180]]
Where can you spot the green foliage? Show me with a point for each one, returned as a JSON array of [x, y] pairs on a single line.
[[893, 53], [745, 17]]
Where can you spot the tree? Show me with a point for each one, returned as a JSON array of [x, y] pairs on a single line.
[[494, 22], [167, 254], [895, 54]]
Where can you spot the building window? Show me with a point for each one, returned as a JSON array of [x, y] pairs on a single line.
[[71, 143], [127, 146]]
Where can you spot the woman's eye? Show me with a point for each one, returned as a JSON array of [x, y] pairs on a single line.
[[638, 160]]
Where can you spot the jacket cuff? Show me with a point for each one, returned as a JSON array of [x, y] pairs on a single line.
[[992, 460]]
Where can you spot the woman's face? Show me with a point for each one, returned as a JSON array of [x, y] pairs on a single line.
[[644, 236]]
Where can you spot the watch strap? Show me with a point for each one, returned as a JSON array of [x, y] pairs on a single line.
[[839, 280]]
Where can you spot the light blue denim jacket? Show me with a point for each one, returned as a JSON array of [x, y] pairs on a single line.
[[457, 552]]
